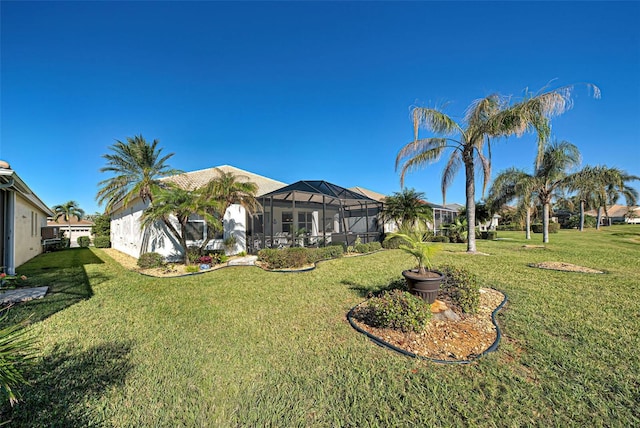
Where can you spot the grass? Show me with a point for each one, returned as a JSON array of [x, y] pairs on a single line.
[[244, 347]]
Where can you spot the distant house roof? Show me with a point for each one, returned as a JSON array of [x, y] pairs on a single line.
[[74, 222], [195, 179], [613, 211], [10, 180]]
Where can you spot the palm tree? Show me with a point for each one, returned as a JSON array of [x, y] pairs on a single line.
[[485, 119], [406, 207], [174, 202], [67, 211], [513, 184], [551, 175], [137, 166], [224, 190], [598, 186]]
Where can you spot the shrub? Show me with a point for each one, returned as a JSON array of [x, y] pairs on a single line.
[[492, 234], [574, 221], [399, 310], [287, 258], [193, 254], [393, 243], [102, 242], [440, 238], [462, 286], [361, 248], [84, 241], [374, 246], [207, 260], [150, 260], [192, 268], [553, 227]]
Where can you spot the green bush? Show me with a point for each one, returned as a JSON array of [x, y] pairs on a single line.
[[192, 268], [510, 227], [553, 227], [462, 286], [393, 243], [84, 241], [440, 238], [150, 260], [289, 258], [491, 235], [398, 310], [374, 246], [574, 222], [102, 242]]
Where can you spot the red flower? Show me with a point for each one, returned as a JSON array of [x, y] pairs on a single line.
[[2, 275]]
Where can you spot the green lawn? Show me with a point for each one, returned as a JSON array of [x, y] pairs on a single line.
[[244, 347]]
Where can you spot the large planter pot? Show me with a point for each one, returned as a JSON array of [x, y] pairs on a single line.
[[425, 287]]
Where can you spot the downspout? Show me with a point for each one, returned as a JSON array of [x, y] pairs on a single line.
[[9, 250]]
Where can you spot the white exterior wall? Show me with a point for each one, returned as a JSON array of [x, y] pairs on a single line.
[[127, 237], [27, 236]]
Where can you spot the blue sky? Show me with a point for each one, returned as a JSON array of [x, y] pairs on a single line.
[[300, 90]]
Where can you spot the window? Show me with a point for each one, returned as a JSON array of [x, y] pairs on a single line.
[[34, 223], [195, 228], [305, 221], [287, 221]]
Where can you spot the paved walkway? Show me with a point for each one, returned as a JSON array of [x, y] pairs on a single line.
[[22, 294]]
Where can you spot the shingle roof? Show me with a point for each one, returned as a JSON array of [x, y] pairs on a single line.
[[74, 222], [195, 179]]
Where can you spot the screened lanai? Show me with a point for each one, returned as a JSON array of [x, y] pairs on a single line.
[[314, 213]]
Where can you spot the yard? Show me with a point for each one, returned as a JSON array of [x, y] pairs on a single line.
[[244, 347]]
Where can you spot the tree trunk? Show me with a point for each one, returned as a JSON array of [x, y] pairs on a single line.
[[471, 203], [69, 243], [528, 224], [581, 216], [598, 219], [545, 223]]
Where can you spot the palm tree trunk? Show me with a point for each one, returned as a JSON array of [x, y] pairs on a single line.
[[69, 243], [545, 223], [581, 216], [598, 219], [471, 203], [528, 224]]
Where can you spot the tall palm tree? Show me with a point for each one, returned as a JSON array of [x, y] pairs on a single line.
[[138, 166], [551, 175], [599, 186], [177, 203], [225, 190], [406, 208], [67, 211], [485, 119]]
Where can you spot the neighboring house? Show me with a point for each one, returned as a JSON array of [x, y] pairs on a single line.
[[22, 216], [617, 214], [78, 228], [128, 237]]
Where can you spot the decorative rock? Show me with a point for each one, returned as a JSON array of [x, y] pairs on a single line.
[[446, 315], [438, 306]]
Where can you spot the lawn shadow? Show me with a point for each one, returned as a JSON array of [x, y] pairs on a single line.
[[368, 291], [65, 273], [65, 385]]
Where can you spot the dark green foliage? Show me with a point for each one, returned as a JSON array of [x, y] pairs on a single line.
[[84, 241], [101, 242], [574, 222], [398, 310], [16, 349], [510, 226], [287, 258], [553, 227], [393, 243], [440, 238], [367, 248], [462, 286], [150, 260], [101, 225], [489, 234]]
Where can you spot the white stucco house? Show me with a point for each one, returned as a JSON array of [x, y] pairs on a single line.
[[128, 237], [22, 216], [305, 213], [79, 227]]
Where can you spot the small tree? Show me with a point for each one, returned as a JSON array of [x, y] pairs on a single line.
[[67, 211]]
